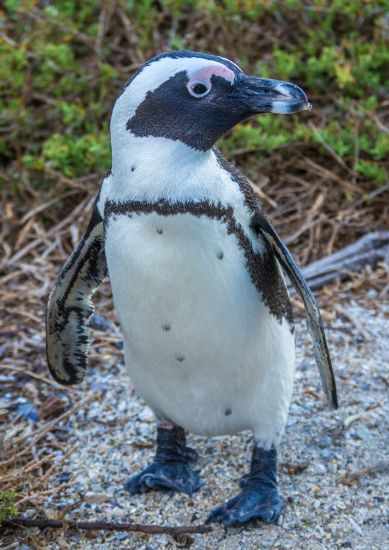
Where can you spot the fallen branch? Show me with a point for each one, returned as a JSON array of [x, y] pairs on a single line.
[[108, 526], [351, 477], [368, 250]]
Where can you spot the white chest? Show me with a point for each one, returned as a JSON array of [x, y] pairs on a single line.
[[199, 341]]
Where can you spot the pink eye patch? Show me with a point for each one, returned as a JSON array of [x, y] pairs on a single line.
[[206, 73]]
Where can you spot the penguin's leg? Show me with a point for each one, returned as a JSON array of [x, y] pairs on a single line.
[[171, 468], [259, 498]]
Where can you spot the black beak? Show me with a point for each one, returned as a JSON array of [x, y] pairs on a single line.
[[264, 95]]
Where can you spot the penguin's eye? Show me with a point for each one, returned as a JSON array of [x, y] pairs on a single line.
[[199, 89]]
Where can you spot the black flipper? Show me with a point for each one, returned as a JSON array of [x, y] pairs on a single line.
[[69, 306], [261, 225]]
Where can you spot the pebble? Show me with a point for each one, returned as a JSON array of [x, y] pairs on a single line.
[[324, 442], [362, 433], [320, 468], [122, 536], [28, 410], [355, 526], [371, 294], [4, 379], [63, 477]]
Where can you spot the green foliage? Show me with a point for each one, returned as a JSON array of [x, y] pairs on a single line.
[[63, 63], [371, 170], [7, 505], [76, 155], [268, 134]]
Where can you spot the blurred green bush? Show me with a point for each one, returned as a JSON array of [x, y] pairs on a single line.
[[63, 62]]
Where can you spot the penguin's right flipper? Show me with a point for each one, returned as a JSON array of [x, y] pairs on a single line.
[[261, 224], [69, 306]]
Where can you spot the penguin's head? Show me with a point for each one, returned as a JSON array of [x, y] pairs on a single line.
[[194, 98]]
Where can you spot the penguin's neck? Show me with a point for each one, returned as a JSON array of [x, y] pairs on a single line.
[[154, 168]]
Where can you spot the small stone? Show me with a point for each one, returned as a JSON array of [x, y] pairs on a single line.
[[326, 454], [228, 412], [28, 410], [324, 441], [159, 231], [320, 469], [63, 477], [146, 415], [361, 433], [180, 358], [220, 255], [6, 379], [355, 526]]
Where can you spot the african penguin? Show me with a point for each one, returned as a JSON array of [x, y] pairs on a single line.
[[196, 274]]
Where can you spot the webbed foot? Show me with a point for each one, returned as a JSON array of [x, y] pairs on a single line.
[[169, 476], [263, 503], [171, 469], [259, 498]]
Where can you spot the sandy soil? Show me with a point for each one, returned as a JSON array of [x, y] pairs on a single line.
[[114, 434]]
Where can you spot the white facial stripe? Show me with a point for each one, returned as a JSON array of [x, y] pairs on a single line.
[[152, 76]]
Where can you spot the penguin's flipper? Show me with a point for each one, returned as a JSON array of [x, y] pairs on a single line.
[[69, 306], [261, 225]]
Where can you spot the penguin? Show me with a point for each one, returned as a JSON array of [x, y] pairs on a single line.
[[197, 274]]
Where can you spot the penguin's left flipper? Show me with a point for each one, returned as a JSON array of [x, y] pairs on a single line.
[[261, 225], [70, 306]]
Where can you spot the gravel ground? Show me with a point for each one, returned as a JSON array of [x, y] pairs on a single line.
[[114, 437]]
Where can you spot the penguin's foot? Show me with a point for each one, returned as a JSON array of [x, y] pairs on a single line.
[[171, 468], [171, 476], [259, 498], [262, 503]]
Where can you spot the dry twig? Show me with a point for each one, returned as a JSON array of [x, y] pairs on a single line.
[[351, 477], [109, 526]]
